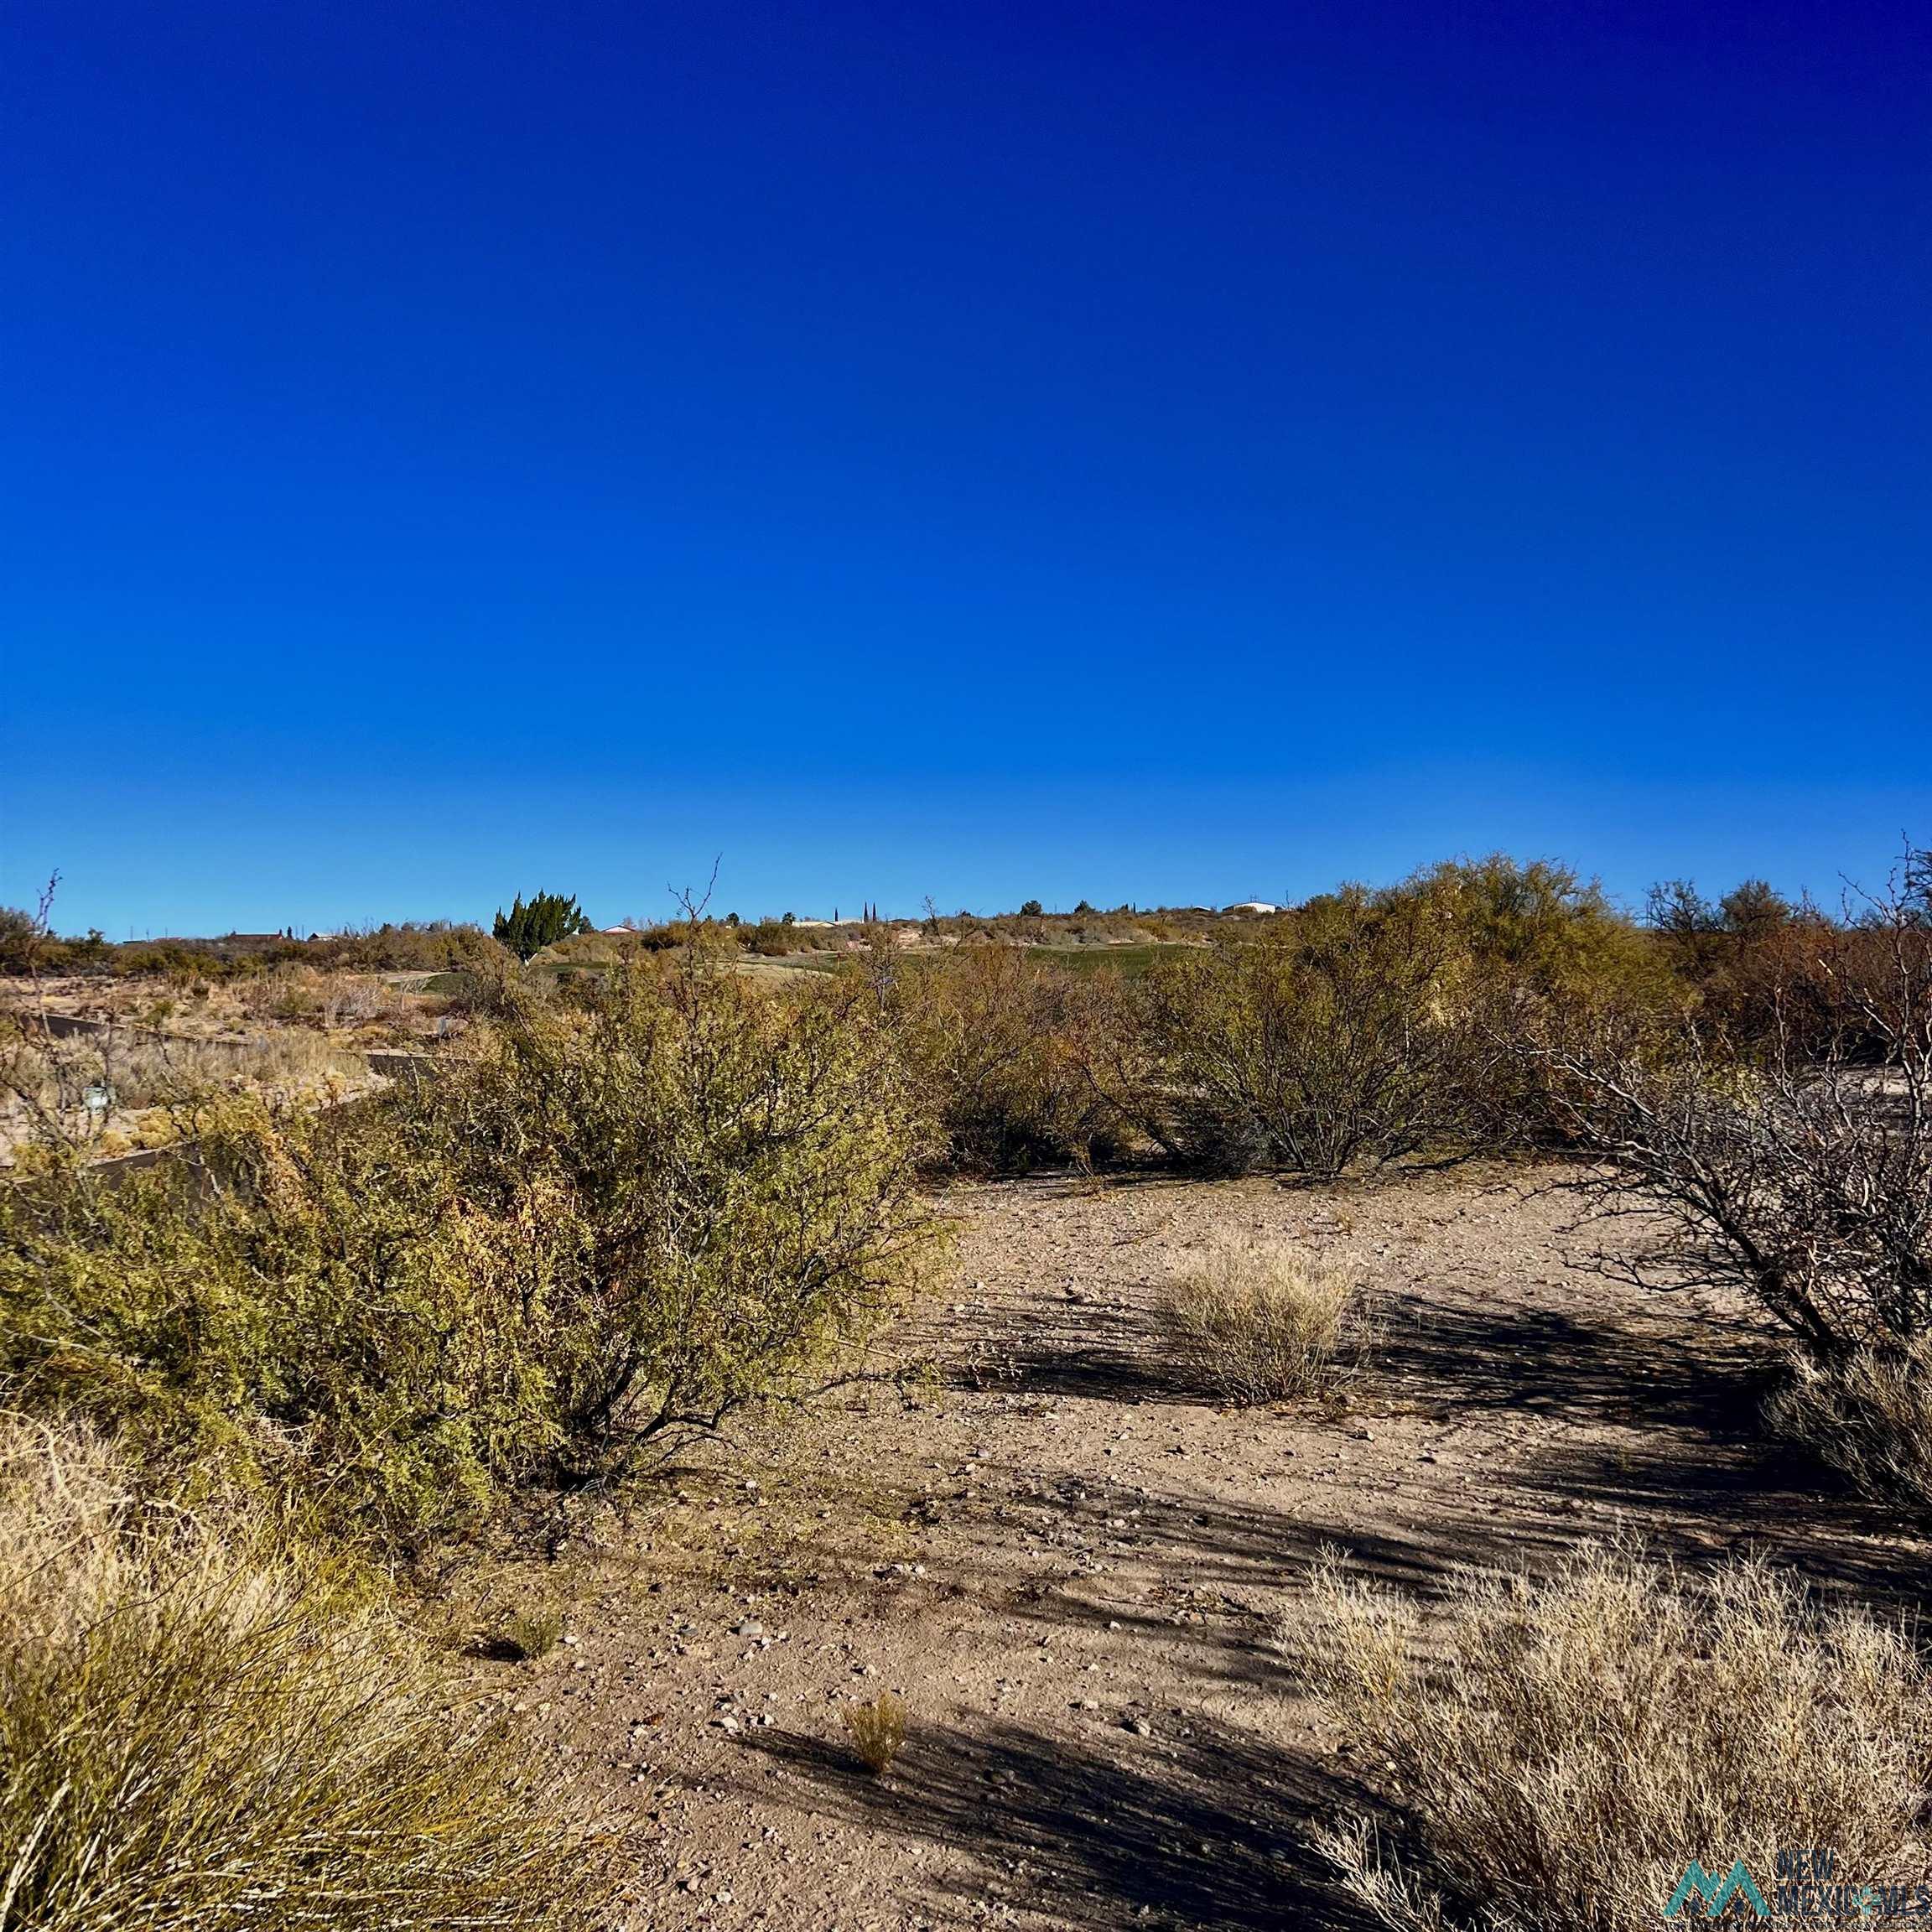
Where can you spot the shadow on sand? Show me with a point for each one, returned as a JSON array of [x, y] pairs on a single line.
[[1207, 1829]]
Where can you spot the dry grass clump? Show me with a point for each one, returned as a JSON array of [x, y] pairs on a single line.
[[194, 1740], [877, 1731], [534, 1632], [1578, 1741], [1259, 1322], [1869, 1416]]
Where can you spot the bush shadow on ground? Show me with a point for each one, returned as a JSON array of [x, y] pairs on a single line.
[[1204, 1831], [1086, 1351], [1660, 1437]]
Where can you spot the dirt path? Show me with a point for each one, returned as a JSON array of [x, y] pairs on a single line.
[[1071, 1565]]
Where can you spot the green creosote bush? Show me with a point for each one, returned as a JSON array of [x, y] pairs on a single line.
[[1368, 1027], [1332, 1041], [1541, 929], [604, 1227], [198, 1736], [996, 1045]]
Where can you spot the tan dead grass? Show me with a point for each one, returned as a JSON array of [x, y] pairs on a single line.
[[1562, 1750], [1262, 1322], [1869, 1417], [196, 1736]]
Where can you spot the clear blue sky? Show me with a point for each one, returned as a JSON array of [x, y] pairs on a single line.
[[1167, 452]]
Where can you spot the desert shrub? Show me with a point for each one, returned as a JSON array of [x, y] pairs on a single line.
[[427, 946], [196, 1739], [1331, 1042], [1529, 938], [304, 995], [1258, 1322], [128, 1070], [313, 1302], [411, 946], [1560, 1751], [877, 1731], [1868, 1414], [1542, 929], [1804, 1180], [22, 938], [996, 1045], [291, 995], [533, 1633], [1768, 976], [602, 1228], [770, 938], [740, 1168]]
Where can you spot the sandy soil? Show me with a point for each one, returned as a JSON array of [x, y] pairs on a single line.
[[1072, 1565]]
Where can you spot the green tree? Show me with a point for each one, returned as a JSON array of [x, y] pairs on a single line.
[[1753, 911], [19, 934], [549, 916]]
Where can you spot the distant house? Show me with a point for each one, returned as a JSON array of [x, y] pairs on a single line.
[[811, 922], [1253, 906], [616, 929]]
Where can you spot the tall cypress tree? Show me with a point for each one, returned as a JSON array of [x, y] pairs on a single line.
[[549, 918]]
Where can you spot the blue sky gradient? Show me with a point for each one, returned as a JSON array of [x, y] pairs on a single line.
[[1151, 453]]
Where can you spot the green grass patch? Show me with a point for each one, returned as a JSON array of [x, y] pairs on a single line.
[[1129, 961]]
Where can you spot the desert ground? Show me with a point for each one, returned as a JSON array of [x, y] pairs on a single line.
[[1082, 1574]]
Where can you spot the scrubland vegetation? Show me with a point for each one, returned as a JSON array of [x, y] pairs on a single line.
[[877, 1731], [50, 1080], [602, 1226], [638, 1196], [200, 1733], [1001, 1048], [1563, 1748], [430, 946]]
